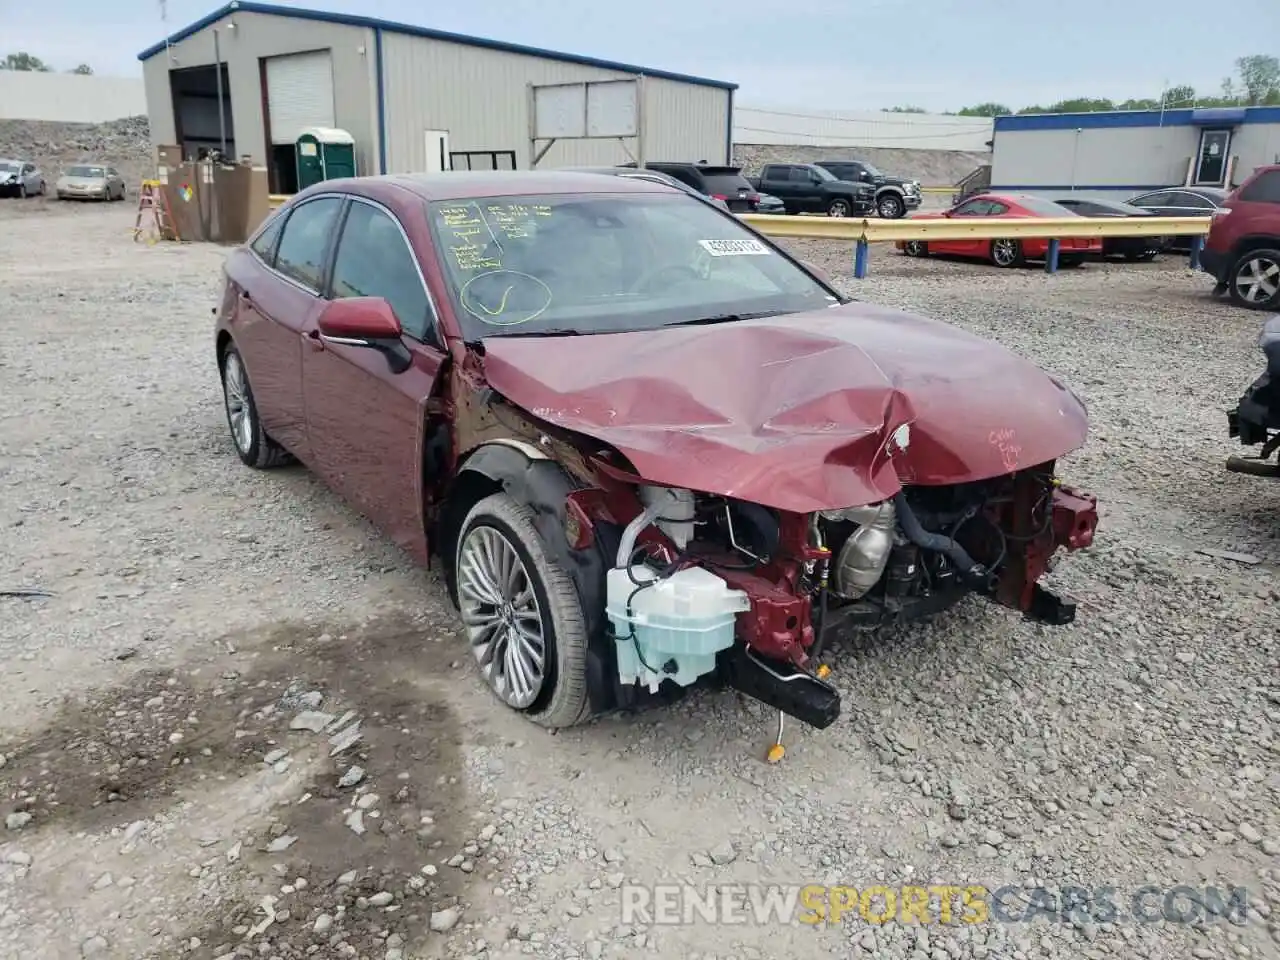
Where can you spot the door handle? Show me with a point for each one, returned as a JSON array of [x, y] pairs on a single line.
[[244, 296]]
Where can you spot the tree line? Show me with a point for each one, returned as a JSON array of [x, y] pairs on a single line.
[[1256, 83], [25, 61]]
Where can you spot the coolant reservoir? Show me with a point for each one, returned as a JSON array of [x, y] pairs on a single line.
[[673, 628]]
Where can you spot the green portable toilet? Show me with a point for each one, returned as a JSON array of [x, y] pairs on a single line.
[[324, 154]]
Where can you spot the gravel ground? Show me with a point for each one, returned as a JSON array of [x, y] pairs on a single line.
[[244, 725]]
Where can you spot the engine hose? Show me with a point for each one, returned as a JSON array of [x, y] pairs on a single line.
[[969, 568]]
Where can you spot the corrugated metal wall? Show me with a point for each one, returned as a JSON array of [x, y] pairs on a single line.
[[803, 127], [261, 35], [1119, 158], [481, 98], [69, 97], [1136, 157]]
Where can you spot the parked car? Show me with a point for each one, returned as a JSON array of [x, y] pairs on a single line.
[[554, 390], [726, 184], [770, 204], [1256, 418], [654, 177], [1005, 252], [895, 196], [20, 178], [1180, 202], [90, 181], [809, 188], [1131, 248], [1242, 251]]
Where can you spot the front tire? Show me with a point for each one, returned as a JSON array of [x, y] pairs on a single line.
[[1255, 280], [522, 615], [915, 248], [839, 208], [22, 191], [1007, 253], [254, 447], [890, 207]]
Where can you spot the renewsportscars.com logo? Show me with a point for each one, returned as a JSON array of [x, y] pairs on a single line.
[[764, 904]]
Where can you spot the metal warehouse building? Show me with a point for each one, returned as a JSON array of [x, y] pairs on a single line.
[[415, 99], [1125, 152]]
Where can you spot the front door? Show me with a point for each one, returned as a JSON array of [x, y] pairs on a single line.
[[365, 421], [1211, 165]]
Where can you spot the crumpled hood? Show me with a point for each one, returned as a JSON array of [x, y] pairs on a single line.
[[819, 410]]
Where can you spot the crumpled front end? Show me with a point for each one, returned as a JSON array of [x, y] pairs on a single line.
[[1255, 420]]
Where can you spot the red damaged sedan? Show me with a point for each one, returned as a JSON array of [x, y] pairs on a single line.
[[646, 444], [1005, 252]]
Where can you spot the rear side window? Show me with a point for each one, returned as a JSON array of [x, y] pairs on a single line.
[[265, 244], [1265, 188], [1153, 200], [305, 240]]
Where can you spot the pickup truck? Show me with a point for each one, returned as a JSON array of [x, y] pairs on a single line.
[[894, 195], [808, 188]]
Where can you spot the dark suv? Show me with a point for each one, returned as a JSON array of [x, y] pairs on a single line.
[[894, 195], [1242, 251], [720, 183]]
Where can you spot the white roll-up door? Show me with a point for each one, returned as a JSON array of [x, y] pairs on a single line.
[[299, 94]]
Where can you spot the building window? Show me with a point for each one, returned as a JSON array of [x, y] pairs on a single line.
[[483, 160]]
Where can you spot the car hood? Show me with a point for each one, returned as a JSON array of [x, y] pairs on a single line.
[[82, 182], [856, 186], [819, 410]]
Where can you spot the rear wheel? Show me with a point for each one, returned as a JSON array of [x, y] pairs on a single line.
[[1007, 253], [254, 447], [915, 248], [1255, 280], [890, 206], [522, 615]]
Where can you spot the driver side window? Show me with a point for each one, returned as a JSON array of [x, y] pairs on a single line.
[[974, 208]]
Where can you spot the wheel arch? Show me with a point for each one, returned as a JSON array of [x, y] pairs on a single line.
[[1254, 241], [530, 477]]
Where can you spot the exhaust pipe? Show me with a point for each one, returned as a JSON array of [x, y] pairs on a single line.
[[783, 687], [1254, 467]]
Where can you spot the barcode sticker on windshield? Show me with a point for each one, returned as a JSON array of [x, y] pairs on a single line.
[[733, 248]]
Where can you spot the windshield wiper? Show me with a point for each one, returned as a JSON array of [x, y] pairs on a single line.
[[727, 318]]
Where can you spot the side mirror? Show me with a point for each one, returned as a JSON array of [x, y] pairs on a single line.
[[359, 321], [366, 322]]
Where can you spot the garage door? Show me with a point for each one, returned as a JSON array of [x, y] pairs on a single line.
[[299, 94]]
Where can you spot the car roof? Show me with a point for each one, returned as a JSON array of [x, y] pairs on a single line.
[[466, 185]]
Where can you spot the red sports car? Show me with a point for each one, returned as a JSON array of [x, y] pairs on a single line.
[[1004, 252], [646, 444]]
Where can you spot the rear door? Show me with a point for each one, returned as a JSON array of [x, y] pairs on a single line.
[[366, 422], [276, 304]]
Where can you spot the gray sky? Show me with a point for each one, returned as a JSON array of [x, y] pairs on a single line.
[[815, 54]]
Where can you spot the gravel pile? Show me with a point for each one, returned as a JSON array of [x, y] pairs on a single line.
[[124, 144], [1139, 746]]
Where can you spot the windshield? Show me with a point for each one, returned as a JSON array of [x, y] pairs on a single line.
[[96, 172], [823, 173], [871, 170], [598, 263]]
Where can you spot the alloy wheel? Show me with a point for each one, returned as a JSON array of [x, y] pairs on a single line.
[[838, 208], [501, 614], [888, 208], [1004, 252], [239, 412], [1258, 279]]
